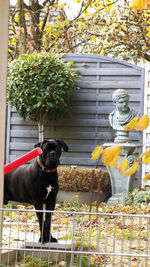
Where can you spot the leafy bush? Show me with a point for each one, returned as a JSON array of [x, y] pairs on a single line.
[[41, 84], [79, 179], [137, 197]]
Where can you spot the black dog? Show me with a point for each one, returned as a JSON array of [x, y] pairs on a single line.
[[37, 184]]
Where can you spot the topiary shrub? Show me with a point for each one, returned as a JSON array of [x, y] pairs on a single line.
[[41, 85], [79, 179]]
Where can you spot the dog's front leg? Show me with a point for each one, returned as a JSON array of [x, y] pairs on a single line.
[[47, 228], [40, 215], [50, 206]]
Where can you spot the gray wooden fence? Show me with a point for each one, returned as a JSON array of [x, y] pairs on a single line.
[[91, 104]]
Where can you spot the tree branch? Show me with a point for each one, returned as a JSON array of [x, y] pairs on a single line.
[[51, 2], [45, 19]]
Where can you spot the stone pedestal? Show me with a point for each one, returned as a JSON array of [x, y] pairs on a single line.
[[122, 136], [120, 183]]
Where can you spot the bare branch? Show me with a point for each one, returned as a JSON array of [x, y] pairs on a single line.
[[45, 18], [26, 6], [51, 2]]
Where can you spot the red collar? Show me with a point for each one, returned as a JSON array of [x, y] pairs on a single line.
[[44, 169]]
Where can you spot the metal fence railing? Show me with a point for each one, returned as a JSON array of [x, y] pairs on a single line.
[[85, 239]]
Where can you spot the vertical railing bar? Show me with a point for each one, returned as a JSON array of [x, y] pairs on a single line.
[[41, 234], [66, 232], [17, 236], [43, 220], [26, 234], [139, 239], [122, 240], [9, 238], [82, 238], [114, 243], [131, 237], [57, 236], [34, 230], [73, 237], [98, 237], [35, 217], [106, 240], [147, 243], [90, 235], [50, 233]]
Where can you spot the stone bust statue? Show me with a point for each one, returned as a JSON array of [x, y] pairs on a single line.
[[122, 115]]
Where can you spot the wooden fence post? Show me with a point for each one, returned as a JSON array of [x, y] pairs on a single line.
[[4, 15]]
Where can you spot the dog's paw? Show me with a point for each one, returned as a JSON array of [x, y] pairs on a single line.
[[53, 240], [40, 240], [46, 240]]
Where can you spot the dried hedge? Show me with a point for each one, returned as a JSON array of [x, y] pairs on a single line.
[[79, 179]]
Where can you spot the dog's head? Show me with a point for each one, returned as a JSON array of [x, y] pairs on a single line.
[[51, 152]]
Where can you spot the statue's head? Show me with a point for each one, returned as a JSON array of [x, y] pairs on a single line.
[[119, 93]]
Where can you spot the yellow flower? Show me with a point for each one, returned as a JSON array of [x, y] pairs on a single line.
[[146, 154], [131, 124], [146, 178], [142, 123], [96, 153], [123, 166], [146, 160], [113, 162], [110, 155], [133, 169]]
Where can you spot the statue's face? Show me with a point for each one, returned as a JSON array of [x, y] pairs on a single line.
[[123, 104]]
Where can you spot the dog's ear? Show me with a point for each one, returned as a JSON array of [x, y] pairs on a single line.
[[63, 145], [40, 144], [37, 145]]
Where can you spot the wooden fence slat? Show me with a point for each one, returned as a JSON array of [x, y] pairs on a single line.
[[109, 84], [109, 71]]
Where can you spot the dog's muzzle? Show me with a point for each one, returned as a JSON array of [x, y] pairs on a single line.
[[45, 168]]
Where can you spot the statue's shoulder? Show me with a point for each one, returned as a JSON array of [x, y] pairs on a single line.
[[134, 112], [111, 118], [112, 113]]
